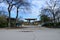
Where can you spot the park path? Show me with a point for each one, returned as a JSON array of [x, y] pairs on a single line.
[[30, 33]]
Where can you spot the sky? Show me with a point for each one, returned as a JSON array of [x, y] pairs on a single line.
[[33, 13]]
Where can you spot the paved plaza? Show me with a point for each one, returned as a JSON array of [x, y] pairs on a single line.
[[30, 33]]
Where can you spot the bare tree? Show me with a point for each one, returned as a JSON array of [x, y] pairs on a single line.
[[17, 3], [52, 5], [10, 3], [9, 10], [22, 3]]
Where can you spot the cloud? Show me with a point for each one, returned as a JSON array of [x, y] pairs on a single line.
[[35, 9], [37, 4]]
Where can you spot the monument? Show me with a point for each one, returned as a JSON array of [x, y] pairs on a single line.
[[30, 19]]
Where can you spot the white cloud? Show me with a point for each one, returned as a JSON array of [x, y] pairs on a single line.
[[37, 4], [35, 9]]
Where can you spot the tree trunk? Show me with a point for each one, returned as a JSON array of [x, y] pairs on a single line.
[[58, 19], [54, 20], [9, 17], [9, 10], [9, 20], [17, 16]]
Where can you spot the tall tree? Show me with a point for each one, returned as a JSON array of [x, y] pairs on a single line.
[[52, 5], [10, 3], [22, 3]]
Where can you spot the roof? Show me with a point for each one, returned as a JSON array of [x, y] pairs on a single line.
[[30, 19], [11, 18]]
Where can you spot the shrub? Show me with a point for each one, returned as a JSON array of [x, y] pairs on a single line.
[[3, 25], [51, 25]]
